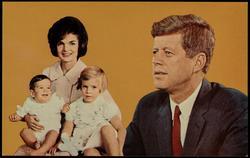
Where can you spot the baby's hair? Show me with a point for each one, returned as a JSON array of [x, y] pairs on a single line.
[[93, 72], [36, 79]]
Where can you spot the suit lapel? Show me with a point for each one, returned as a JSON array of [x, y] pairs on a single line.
[[164, 126], [196, 120]]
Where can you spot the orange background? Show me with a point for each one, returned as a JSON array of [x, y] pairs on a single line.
[[119, 42]]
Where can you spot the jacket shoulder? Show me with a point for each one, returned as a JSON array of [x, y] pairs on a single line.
[[231, 96], [153, 99], [155, 95]]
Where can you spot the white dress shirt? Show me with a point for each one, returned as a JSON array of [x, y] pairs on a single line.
[[185, 108]]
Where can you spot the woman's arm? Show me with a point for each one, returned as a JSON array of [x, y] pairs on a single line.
[[110, 101], [121, 130]]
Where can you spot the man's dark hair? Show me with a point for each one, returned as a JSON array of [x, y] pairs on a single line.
[[197, 35]]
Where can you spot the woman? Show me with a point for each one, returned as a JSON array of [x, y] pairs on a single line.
[[68, 41]]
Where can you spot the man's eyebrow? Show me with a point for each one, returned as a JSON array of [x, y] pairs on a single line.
[[162, 48]]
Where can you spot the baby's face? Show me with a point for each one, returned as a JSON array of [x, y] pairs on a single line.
[[42, 91], [91, 89]]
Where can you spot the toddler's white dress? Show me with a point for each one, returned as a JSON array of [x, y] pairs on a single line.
[[88, 119]]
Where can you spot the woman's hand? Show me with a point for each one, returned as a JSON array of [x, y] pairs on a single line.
[[32, 122]]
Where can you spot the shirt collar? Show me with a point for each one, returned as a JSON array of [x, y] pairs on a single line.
[[187, 105], [57, 72], [77, 69]]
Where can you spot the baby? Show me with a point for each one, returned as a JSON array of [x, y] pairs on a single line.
[[47, 107], [90, 114]]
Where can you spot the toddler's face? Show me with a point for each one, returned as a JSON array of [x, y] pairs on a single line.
[[91, 89], [42, 91]]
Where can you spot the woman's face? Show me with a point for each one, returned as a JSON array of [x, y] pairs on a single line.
[[67, 48]]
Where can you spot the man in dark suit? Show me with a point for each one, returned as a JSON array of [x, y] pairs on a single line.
[[188, 115]]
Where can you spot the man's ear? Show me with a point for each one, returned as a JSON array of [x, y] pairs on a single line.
[[200, 61], [32, 93]]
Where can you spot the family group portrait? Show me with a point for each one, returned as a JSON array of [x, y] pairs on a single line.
[[124, 79]]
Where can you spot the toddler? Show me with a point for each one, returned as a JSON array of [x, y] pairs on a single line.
[[90, 114], [47, 107]]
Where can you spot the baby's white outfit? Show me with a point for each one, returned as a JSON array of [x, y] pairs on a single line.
[[88, 119], [49, 114]]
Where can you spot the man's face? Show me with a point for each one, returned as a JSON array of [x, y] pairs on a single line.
[[172, 70]]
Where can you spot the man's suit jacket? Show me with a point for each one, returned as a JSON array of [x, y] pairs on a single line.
[[218, 124]]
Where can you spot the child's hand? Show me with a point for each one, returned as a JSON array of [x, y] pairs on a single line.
[[14, 117], [53, 149], [65, 108]]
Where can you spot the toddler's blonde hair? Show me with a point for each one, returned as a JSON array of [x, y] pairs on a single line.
[[93, 72]]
